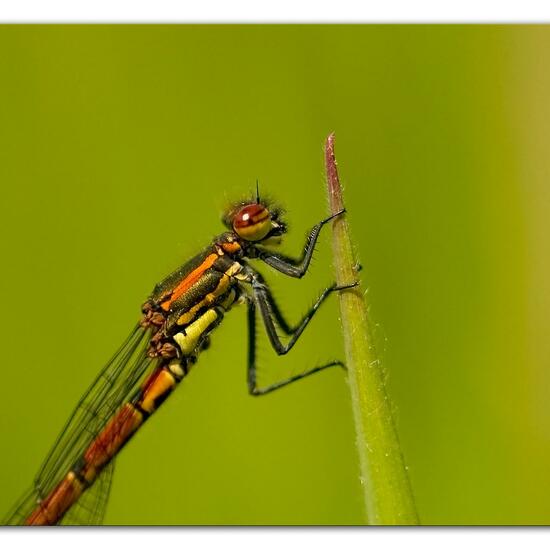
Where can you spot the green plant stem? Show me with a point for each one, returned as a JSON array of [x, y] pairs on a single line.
[[388, 495]]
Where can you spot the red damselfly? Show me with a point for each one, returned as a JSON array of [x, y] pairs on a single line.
[[72, 486]]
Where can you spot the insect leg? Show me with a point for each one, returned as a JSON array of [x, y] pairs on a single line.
[[291, 266], [283, 324], [265, 302]]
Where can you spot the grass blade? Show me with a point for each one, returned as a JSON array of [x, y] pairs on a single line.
[[387, 490]]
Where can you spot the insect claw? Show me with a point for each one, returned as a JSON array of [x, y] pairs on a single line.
[[345, 287], [338, 363], [335, 215]]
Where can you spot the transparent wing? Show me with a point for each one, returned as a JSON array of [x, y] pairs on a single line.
[[101, 400], [90, 508], [112, 387], [22, 509]]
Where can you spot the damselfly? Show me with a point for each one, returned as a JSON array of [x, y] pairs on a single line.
[[72, 486]]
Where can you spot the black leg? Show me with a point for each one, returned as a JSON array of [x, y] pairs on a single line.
[[278, 314], [283, 324], [252, 383], [295, 267], [264, 301]]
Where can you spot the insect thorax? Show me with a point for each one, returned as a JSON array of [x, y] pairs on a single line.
[[188, 304]]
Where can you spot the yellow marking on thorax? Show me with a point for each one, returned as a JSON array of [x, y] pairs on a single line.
[[210, 298], [188, 342]]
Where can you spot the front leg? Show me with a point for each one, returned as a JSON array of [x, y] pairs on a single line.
[[291, 266]]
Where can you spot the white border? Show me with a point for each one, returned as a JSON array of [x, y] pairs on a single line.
[[274, 11], [273, 538], [247, 11]]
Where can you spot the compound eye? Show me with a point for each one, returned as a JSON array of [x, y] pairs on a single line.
[[252, 222]]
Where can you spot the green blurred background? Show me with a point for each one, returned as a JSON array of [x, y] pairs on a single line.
[[120, 146]]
